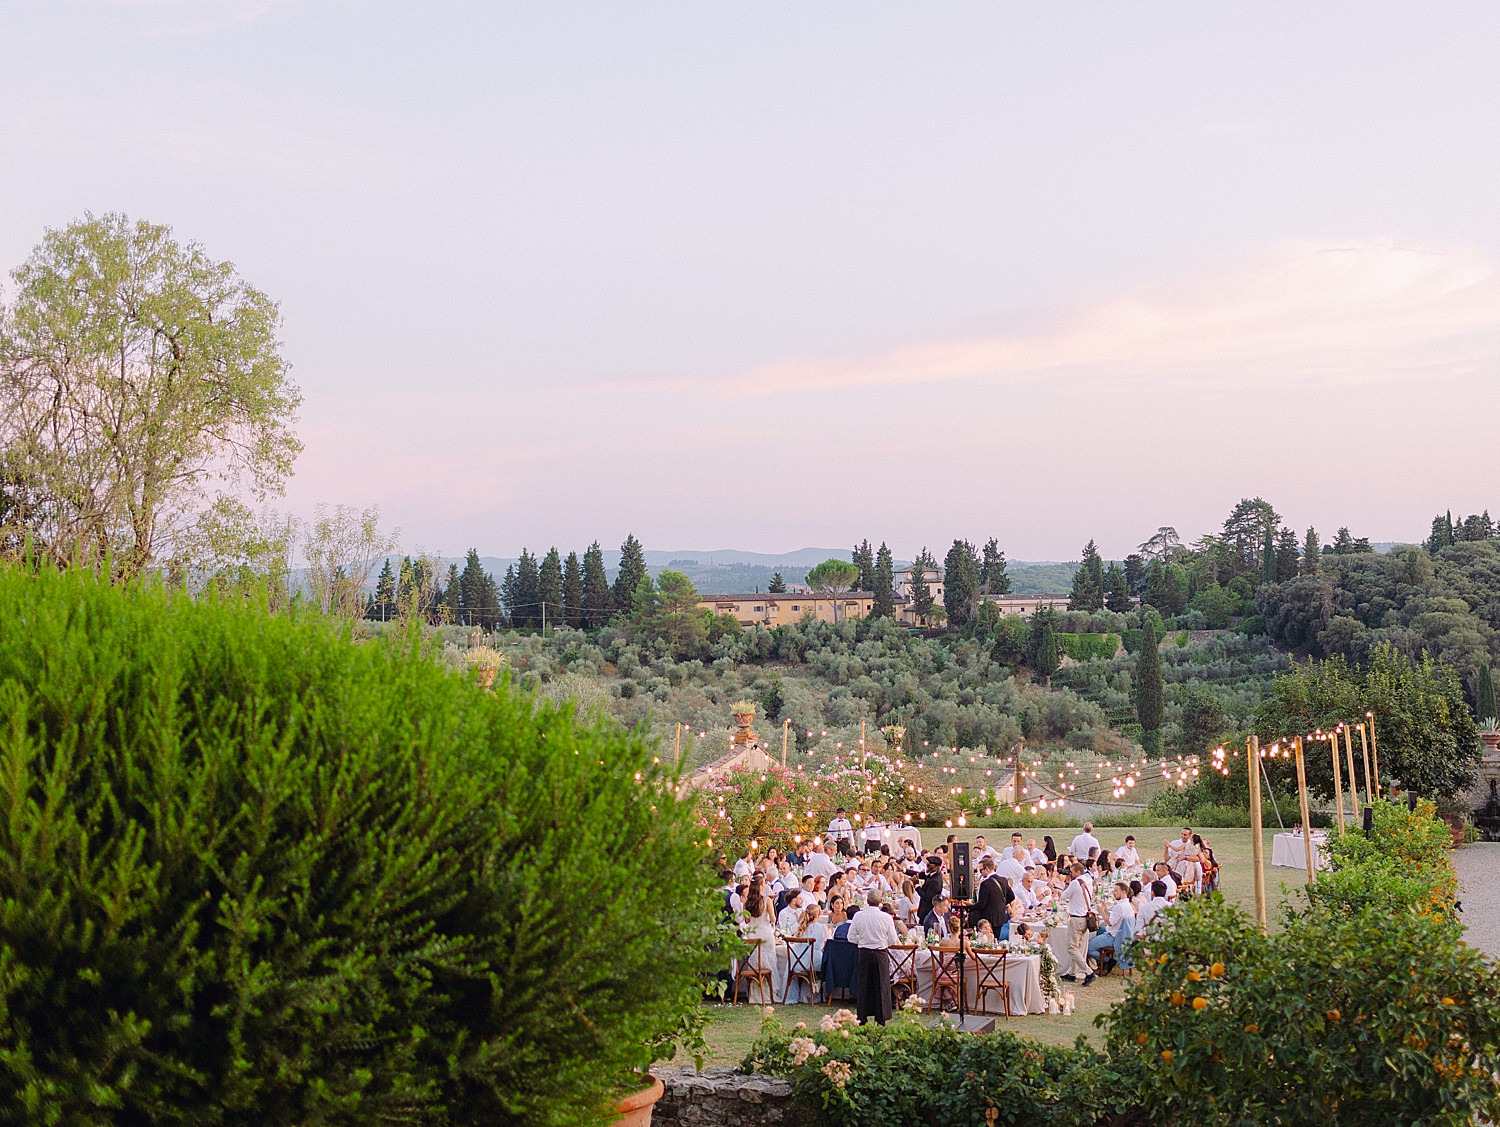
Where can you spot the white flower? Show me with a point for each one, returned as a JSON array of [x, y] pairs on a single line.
[[826, 1024]]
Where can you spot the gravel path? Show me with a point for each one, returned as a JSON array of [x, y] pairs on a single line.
[[1478, 868]]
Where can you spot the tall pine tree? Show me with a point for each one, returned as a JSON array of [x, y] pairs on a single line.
[[1268, 556], [1044, 659], [632, 571], [1149, 692], [885, 584], [1312, 554], [960, 583], [549, 588], [451, 602], [920, 591], [598, 600], [572, 591], [1117, 590], [777, 585], [385, 593], [1484, 693], [1286, 555], [526, 610]]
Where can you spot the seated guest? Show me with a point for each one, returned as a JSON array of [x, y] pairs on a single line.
[[1165, 876], [746, 864], [984, 932], [1021, 933], [906, 903], [836, 914], [790, 917], [1128, 855], [1025, 892], [1121, 925], [935, 922], [1010, 867], [1153, 907], [824, 864], [1037, 857]]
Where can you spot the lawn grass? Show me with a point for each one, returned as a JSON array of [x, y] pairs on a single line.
[[732, 1029]]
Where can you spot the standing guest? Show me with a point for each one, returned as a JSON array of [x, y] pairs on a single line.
[[1079, 902], [1049, 850], [930, 888], [992, 900], [874, 933], [1128, 855], [841, 832], [871, 835], [1084, 842]]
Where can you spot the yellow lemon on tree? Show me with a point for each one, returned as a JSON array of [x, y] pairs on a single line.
[[1200, 1003]]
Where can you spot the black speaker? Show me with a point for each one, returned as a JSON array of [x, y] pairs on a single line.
[[1411, 799], [1369, 822], [963, 872]]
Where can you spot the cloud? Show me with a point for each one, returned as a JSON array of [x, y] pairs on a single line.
[[1353, 313]]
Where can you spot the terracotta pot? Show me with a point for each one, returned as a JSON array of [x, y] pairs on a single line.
[[635, 1109], [485, 675]]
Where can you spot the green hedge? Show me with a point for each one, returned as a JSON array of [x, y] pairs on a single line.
[[252, 871], [1089, 647]]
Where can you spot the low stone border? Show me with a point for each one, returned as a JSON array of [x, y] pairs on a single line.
[[722, 1097]]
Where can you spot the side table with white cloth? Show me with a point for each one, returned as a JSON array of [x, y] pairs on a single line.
[[1023, 974], [1288, 851]]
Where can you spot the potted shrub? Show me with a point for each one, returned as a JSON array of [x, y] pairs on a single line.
[[485, 663]]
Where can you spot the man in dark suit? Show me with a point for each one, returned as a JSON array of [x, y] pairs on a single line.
[[935, 922], [993, 901], [930, 888]]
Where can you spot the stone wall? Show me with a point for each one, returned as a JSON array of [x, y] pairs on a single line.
[[722, 1097]]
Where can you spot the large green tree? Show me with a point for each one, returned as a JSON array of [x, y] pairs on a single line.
[[1117, 590], [572, 591], [598, 600], [1312, 555], [142, 384], [993, 577], [885, 584], [864, 559], [920, 591], [832, 580], [1088, 581], [549, 588]]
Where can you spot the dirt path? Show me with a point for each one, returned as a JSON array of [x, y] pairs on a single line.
[[1478, 868]]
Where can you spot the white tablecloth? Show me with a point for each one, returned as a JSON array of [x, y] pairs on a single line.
[[1023, 974], [1287, 851]]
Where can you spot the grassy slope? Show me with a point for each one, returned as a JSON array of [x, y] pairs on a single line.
[[735, 1027]]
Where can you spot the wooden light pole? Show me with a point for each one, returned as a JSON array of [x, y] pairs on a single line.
[[862, 745], [1257, 835], [786, 731], [1353, 779], [1307, 846], [1364, 746], [677, 746], [1338, 781], [1375, 753]]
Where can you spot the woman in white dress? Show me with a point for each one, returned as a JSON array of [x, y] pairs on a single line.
[[760, 924], [815, 927], [906, 903]]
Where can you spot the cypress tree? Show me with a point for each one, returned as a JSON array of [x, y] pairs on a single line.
[[598, 601], [864, 559], [960, 582], [572, 593], [993, 578], [549, 589], [1044, 658], [1148, 689], [1117, 590], [451, 603], [525, 611], [1484, 693], [385, 592], [885, 584], [632, 571], [921, 593], [1268, 556]]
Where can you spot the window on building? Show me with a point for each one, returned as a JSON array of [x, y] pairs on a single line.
[[760, 608]]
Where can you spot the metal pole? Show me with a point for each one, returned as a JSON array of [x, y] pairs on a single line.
[[1307, 847], [1257, 834]]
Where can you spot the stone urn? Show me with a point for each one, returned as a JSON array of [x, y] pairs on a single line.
[[635, 1109], [744, 715]]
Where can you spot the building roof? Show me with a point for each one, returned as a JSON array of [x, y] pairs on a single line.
[[764, 596]]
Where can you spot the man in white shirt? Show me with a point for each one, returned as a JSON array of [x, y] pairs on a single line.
[[1151, 908], [1164, 875], [983, 849], [1026, 893], [871, 836], [1174, 851], [791, 916], [822, 863], [1078, 901], [1120, 911], [1035, 855], [841, 832], [874, 932], [1084, 842], [1010, 868], [746, 864], [1129, 856]]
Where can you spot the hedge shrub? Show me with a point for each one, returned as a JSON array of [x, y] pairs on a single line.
[[876, 1076], [253, 872], [1089, 647]]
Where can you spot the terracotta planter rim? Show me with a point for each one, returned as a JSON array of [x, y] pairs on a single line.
[[643, 1098]]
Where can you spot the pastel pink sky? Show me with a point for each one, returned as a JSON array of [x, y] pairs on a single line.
[[781, 275]]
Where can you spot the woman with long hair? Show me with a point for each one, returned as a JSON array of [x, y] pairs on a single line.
[[760, 923], [1048, 848]]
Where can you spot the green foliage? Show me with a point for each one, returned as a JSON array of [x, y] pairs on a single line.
[[1216, 604], [1484, 693], [832, 580], [960, 583], [254, 872], [1012, 639], [1089, 647], [884, 603], [1044, 659], [1426, 735], [1088, 581], [853, 1075], [628, 578], [1343, 1017], [777, 585], [1402, 864]]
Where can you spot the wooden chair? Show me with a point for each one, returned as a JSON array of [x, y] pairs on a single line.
[[992, 980], [903, 972], [750, 971], [945, 980], [799, 967]]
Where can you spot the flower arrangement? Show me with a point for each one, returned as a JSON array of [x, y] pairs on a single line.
[[485, 662]]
